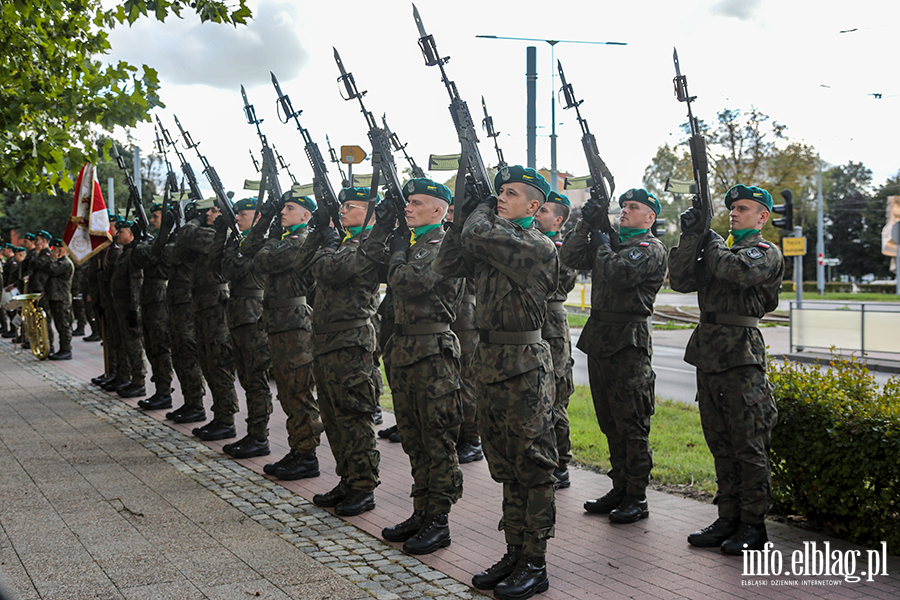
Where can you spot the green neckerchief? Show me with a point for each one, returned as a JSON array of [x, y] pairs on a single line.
[[629, 232], [292, 230], [524, 221], [549, 233], [420, 231], [352, 232], [738, 235]]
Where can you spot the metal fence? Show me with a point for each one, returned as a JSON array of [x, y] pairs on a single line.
[[853, 326]]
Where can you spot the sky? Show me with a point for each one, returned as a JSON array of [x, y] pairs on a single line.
[[787, 58]]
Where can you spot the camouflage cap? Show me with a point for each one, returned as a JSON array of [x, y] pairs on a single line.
[[743, 192], [28, 236], [559, 199], [643, 196], [245, 204], [304, 201], [421, 185], [155, 207], [44, 234], [356, 193], [520, 174]]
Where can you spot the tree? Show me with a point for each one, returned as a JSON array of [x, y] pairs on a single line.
[[54, 93]]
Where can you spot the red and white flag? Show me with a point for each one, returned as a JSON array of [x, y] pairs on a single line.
[[87, 231]]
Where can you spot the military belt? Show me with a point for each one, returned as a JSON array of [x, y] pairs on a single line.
[[339, 326], [155, 281], [467, 299], [611, 317], [725, 319], [247, 293], [208, 289], [421, 328], [556, 305], [180, 285], [519, 338], [284, 303]]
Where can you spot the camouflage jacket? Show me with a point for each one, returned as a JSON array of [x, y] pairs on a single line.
[[108, 260], [156, 273], [245, 299], [464, 325], [557, 323], [286, 279], [194, 246], [59, 279], [37, 271], [743, 280], [514, 272], [346, 290], [421, 296], [93, 276], [24, 268], [79, 281], [127, 279], [625, 282], [10, 272]]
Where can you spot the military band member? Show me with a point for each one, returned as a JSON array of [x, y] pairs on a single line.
[[515, 270], [38, 273], [738, 284], [60, 270], [550, 219], [617, 340], [126, 283], [10, 269]]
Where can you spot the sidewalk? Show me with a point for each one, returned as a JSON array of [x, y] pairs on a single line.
[[99, 500]]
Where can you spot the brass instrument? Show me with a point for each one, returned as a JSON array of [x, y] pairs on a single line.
[[34, 325]]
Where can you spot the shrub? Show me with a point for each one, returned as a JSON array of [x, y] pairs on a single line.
[[836, 450]]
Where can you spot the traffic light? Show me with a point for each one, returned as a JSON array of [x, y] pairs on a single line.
[[786, 209]]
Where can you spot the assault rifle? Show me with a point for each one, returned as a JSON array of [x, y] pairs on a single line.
[[325, 196], [382, 159], [488, 124], [283, 165], [702, 200], [399, 147], [470, 162], [333, 157], [268, 180], [171, 185], [196, 195], [134, 197], [600, 173], [221, 198]]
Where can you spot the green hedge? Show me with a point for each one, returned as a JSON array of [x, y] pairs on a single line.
[[878, 288], [836, 450], [837, 287]]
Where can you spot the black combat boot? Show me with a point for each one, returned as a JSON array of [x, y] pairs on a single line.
[[116, 384], [156, 402], [270, 468], [469, 452], [61, 355], [386, 433], [405, 530], [749, 536], [562, 477], [215, 430], [334, 497], [102, 379], [434, 534], [298, 466], [528, 578], [605, 504], [134, 390], [94, 337], [631, 510], [247, 447], [715, 534], [490, 577], [187, 414], [356, 503]]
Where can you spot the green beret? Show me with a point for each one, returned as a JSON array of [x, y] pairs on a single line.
[[643, 196], [8, 246], [19, 249], [55, 242], [155, 207], [123, 224], [29, 237], [304, 201], [356, 193], [116, 218], [559, 199], [421, 185], [44, 234], [524, 175], [245, 204], [743, 192]]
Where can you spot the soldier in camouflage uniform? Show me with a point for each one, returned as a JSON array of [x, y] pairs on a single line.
[[343, 343], [515, 270], [424, 356], [251, 344], [118, 371], [617, 341], [126, 283], [549, 219], [79, 285], [209, 295], [737, 284], [185, 355], [60, 270], [155, 316]]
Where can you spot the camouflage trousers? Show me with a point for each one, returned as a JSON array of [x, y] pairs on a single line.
[[216, 353], [112, 340], [468, 429], [185, 359], [132, 343], [515, 417], [62, 320], [293, 370], [252, 361], [738, 414], [561, 351], [346, 390], [79, 311], [157, 345], [44, 304], [428, 410], [623, 389]]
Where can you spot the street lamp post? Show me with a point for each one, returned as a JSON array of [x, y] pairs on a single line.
[[554, 174]]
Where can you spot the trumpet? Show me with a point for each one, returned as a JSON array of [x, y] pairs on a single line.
[[34, 324]]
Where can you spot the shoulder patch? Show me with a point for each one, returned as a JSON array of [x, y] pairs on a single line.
[[763, 245], [558, 243], [422, 254], [433, 241], [635, 254], [295, 237], [644, 244], [754, 253]]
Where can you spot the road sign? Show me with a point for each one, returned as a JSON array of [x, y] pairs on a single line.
[[831, 262], [794, 246], [352, 155]]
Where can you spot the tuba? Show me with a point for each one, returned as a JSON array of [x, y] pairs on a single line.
[[34, 325]]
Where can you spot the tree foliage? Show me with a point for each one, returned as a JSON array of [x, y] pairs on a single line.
[[54, 92]]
